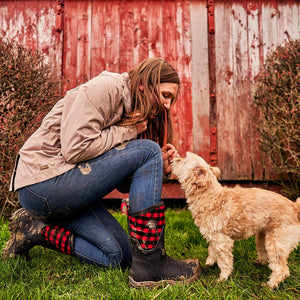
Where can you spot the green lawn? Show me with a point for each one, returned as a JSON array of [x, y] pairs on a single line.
[[50, 275]]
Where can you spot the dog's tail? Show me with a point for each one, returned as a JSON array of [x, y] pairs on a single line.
[[298, 206]]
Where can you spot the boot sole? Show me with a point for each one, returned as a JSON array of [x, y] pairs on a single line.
[[14, 235], [153, 284]]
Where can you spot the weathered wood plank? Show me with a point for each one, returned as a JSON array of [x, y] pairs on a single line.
[[83, 41], [70, 45], [30, 19], [269, 32], [224, 89], [141, 30], [98, 37], [269, 15], [127, 36], [288, 21], [155, 38], [185, 112], [241, 93], [134, 33], [178, 110], [112, 42], [253, 12], [170, 53], [200, 78], [15, 26], [49, 40]]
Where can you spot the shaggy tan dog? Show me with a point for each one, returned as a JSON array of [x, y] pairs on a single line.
[[225, 215]]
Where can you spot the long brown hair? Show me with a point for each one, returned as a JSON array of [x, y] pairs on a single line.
[[146, 102]]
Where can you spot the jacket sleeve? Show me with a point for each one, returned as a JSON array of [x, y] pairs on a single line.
[[87, 111]]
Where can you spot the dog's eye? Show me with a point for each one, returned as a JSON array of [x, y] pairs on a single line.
[[200, 172]]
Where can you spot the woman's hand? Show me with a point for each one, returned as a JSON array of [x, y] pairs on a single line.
[[169, 152], [141, 127]]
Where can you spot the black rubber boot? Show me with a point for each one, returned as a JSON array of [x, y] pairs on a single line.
[[151, 266], [27, 232]]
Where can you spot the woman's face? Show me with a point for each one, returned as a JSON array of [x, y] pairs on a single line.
[[168, 93]]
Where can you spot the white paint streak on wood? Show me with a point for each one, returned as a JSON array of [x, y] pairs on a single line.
[[254, 66], [200, 78]]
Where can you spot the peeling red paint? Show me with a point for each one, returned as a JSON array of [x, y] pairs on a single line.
[[250, 7], [228, 75]]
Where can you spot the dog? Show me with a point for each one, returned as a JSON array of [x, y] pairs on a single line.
[[225, 215]]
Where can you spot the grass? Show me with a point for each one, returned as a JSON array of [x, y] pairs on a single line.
[[50, 275]]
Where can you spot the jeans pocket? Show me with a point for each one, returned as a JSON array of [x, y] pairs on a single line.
[[34, 203]]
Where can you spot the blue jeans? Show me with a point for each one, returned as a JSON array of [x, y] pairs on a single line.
[[73, 200]]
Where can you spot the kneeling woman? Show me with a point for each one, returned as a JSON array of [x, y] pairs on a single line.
[[106, 132]]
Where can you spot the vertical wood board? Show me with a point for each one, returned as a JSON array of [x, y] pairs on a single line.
[[200, 78]]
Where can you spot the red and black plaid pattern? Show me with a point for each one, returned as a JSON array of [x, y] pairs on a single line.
[[147, 227], [59, 237]]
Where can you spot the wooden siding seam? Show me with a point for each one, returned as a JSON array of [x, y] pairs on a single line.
[[212, 83]]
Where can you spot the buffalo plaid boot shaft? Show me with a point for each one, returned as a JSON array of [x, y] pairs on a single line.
[[27, 232], [151, 266], [146, 228], [61, 238]]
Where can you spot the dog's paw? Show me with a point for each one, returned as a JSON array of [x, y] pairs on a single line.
[[223, 277], [212, 267], [221, 280], [269, 285], [210, 262], [259, 263]]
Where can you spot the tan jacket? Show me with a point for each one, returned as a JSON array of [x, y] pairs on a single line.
[[79, 127]]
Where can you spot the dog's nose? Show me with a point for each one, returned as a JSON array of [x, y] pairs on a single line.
[[178, 158]]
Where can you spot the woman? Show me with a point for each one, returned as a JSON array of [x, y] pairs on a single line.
[[89, 144]]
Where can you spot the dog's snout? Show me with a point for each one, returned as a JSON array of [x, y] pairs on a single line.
[[178, 158]]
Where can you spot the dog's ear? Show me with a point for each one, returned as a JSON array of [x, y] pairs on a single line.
[[216, 171]]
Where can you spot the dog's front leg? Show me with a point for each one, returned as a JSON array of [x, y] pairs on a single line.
[[223, 246], [212, 256]]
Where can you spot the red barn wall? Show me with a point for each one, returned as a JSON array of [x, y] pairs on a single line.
[[216, 46]]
